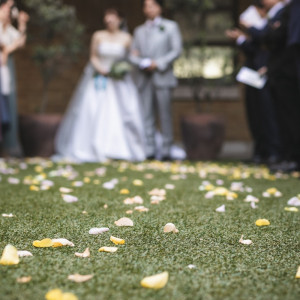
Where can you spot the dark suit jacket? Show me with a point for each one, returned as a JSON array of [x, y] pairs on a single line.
[[274, 37], [294, 24]]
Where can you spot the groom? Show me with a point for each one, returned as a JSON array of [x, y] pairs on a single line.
[[156, 45]]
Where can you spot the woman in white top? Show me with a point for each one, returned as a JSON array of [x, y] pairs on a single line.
[[103, 120], [11, 39]]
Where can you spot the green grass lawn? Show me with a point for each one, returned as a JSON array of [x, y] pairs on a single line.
[[225, 269]]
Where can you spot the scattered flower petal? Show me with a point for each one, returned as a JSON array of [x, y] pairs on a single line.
[[262, 222], [134, 200], [295, 201], [169, 186], [138, 182], [13, 180], [8, 215], [124, 192], [65, 190], [9, 256], [98, 230], [156, 281], [45, 243], [63, 242], [253, 205], [117, 241], [221, 209], [57, 294], [158, 192], [251, 198], [108, 249], [191, 266], [298, 273], [291, 209], [69, 198], [80, 278], [141, 208], [124, 222], [245, 242], [24, 279], [170, 227], [24, 253], [84, 254]]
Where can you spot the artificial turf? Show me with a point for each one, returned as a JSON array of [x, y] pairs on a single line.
[[225, 269]]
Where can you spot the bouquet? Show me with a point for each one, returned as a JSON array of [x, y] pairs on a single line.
[[119, 69]]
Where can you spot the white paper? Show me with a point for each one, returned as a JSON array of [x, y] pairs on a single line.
[[251, 77], [253, 18]]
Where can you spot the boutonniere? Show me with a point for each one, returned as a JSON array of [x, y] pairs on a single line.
[[162, 28]]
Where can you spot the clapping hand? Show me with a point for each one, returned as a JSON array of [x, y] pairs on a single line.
[[23, 17], [234, 34]]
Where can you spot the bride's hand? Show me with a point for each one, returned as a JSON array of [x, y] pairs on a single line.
[[4, 57]]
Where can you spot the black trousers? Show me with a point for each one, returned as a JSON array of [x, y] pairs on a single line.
[[286, 92], [262, 122]]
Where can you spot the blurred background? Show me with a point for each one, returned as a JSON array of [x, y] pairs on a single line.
[[59, 33]]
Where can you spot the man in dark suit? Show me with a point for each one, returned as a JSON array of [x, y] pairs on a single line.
[[260, 110], [282, 73], [294, 34]]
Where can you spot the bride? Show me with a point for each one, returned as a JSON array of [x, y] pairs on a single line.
[[104, 120]]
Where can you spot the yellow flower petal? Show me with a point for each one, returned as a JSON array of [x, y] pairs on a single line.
[[262, 222], [68, 296], [292, 209], [271, 191], [108, 249], [45, 243], [138, 182], [62, 242], [156, 281], [55, 294], [57, 244], [117, 241], [34, 188], [124, 192], [9, 256], [298, 273], [86, 180]]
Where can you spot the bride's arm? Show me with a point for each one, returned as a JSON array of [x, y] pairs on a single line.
[[94, 57]]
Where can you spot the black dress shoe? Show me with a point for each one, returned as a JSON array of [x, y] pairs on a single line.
[[285, 167], [166, 158], [273, 159], [258, 160], [150, 157]]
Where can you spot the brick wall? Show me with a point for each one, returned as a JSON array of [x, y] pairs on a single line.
[[60, 90]]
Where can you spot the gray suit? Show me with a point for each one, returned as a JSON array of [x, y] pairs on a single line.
[[161, 43]]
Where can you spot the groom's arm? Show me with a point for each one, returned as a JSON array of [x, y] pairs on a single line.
[[164, 62], [134, 54]]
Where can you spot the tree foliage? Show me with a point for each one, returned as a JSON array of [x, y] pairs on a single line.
[[56, 38]]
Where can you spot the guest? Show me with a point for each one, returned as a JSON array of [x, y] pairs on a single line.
[[156, 45], [282, 74], [260, 109], [104, 119], [11, 39]]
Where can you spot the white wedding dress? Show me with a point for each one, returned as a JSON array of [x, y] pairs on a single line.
[[103, 120]]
